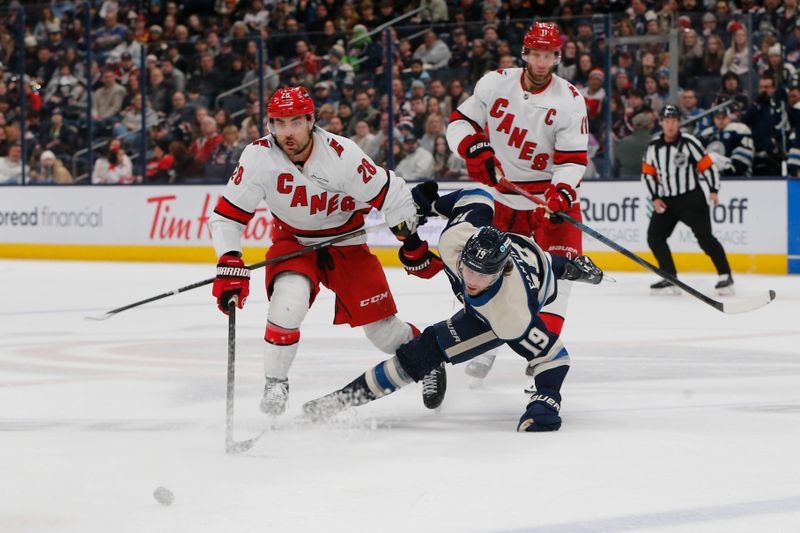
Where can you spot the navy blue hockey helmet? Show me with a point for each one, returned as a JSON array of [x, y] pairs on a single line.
[[487, 251]]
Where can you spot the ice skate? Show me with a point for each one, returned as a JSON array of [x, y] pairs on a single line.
[[664, 287], [276, 393], [434, 386], [724, 286], [478, 368]]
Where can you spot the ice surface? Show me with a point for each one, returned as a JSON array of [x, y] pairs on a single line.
[[676, 417]]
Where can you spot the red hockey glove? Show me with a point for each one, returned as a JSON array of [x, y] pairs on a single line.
[[559, 198], [418, 260], [233, 279], [480, 158]]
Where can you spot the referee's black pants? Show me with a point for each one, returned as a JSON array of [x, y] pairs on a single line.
[[691, 209]]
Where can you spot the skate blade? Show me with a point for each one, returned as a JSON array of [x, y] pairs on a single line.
[[667, 291], [726, 291], [475, 383]]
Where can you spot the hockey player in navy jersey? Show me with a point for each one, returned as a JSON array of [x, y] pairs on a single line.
[[505, 282], [729, 143]]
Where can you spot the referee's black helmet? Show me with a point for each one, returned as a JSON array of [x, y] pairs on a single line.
[[670, 110]]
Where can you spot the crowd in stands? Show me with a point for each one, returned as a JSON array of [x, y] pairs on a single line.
[[191, 61]]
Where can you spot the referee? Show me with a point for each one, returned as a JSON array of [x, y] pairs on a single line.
[[673, 162]]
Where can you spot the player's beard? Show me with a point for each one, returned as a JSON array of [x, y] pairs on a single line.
[[536, 81], [297, 149]]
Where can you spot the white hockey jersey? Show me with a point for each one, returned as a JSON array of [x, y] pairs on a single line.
[[538, 138], [328, 196]]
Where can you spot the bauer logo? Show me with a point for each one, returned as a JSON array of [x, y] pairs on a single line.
[[374, 299]]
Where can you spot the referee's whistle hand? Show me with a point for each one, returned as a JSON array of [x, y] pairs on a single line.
[[659, 205], [713, 198]]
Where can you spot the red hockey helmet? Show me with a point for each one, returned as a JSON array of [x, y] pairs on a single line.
[[289, 102], [542, 36]]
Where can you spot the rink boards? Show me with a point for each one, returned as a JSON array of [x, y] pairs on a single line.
[[758, 223]]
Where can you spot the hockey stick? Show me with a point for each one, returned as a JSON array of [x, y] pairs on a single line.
[[740, 305], [291, 255], [232, 446]]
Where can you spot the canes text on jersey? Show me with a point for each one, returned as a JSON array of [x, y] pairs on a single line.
[[316, 203]]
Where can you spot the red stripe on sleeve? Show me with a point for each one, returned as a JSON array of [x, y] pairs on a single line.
[[377, 202], [458, 115], [579, 158], [228, 210]]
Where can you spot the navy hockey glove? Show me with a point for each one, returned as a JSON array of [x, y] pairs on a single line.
[[418, 260], [542, 412], [424, 194], [233, 279]]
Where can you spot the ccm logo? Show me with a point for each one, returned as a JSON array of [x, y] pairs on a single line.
[[374, 299]]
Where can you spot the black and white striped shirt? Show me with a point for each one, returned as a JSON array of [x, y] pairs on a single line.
[[671, 169]]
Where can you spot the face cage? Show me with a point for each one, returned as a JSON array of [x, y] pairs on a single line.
[[525, 56]]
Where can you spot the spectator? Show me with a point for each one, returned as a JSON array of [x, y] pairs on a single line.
[[50, 170], [64, 90], [257, 17], [691, 57], [366, 140], [765, 119], [651, 97], [690, 109], [11, 165], [207, 80], [132, 118], [459, 50], [779, 70], [455, 97], [568, 65], [709, 22], [159, 93], [434, 128], [628, 152], [737, 56], [174, 78], [481, 61], [203, 146], [225, 155], [363, 109], [335, 126], [109, 35], [308, 64], [335, 71], [58, 137], [417, 163], [443, 160], [107, 101], [594, 94], [114, 166], [433, 52], [581, 76]]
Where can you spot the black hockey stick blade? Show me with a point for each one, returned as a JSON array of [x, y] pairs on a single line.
[[733, 307], [234, 447]]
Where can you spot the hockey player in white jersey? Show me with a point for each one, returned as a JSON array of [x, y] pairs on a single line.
[[316, 185], [529, 125], [507, 284]]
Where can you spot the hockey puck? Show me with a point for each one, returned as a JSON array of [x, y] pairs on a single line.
[[163, 496]]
